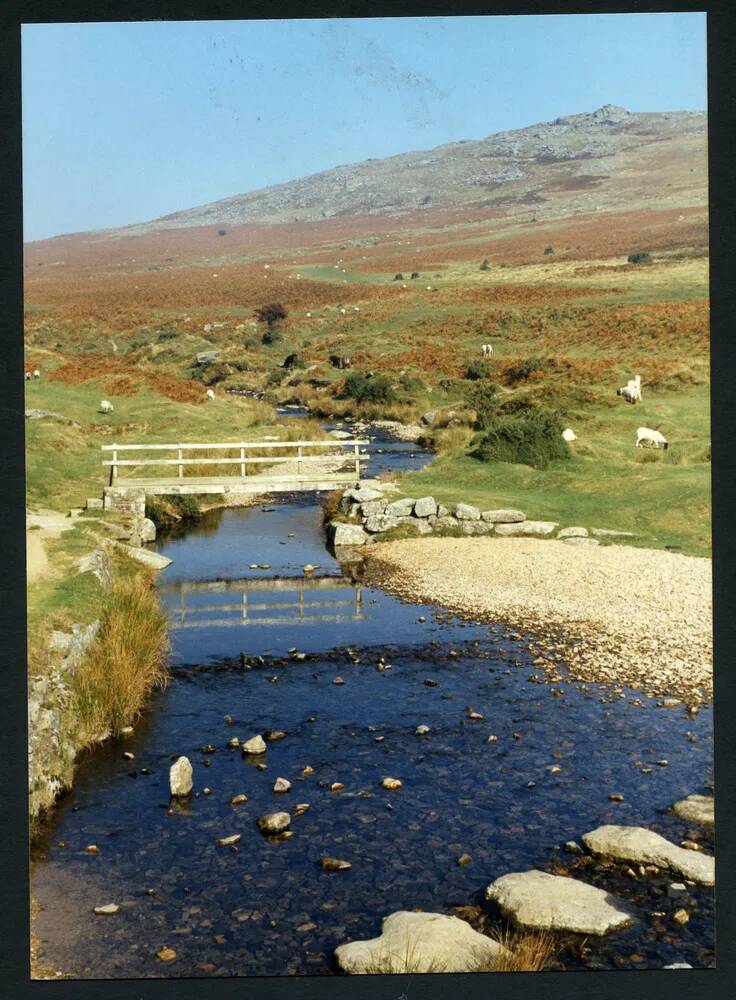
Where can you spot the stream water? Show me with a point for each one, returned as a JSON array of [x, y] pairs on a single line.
[[265, 907]]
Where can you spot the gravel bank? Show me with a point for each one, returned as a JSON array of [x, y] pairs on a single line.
[[630, 617]]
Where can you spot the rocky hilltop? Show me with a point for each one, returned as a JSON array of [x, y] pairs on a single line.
[[585, 154]]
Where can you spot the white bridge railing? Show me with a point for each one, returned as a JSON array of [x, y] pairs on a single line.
[[293, 452]]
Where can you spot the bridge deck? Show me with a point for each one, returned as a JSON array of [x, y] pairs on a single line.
[[237, 484]]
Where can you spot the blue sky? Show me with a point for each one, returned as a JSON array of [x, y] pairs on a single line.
[[124, 122]]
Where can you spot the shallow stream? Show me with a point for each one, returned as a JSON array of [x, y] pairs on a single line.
[[266, 907]]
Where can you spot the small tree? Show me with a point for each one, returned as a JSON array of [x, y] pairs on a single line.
[[483, 397], [639, 257], [485, 266], [398, 276], [549, 249], [271, 314]]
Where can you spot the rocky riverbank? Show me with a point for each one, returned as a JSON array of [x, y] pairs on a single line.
[[632, 617]]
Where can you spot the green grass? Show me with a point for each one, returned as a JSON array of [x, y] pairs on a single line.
[[665, 501]]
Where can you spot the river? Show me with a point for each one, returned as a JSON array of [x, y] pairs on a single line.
[[266, 907]]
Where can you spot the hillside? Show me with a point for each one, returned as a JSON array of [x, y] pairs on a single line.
[[584, 161]]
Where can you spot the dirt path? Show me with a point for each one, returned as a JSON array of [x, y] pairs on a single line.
[[40, 527], [630, 617]]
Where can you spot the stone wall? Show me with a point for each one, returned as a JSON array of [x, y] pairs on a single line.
[[371, 516]]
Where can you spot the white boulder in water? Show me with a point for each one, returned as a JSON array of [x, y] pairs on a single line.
[[180, 777], [419, 942], [636, 843]]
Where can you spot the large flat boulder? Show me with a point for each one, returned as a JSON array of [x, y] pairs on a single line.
[[340, 533], [527, 528], [555, 902], [575, 532], [419, 942], [425, 507], [145, 556], [362, 494], [380, 522], [636, 843], [466, 512], [401, 508], [476, 527], [695, 809], [503, 516]]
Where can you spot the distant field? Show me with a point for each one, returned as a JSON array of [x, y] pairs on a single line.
[[122, 318]]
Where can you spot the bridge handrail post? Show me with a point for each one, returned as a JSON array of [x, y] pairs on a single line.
[[242, 460], [298, 462], [113, 467], [180, 456], [357, 462]]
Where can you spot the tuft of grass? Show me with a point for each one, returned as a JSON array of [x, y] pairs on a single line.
[[127, 660], [525, 951]]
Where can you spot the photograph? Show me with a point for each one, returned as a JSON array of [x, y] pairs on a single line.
[[367, 409]]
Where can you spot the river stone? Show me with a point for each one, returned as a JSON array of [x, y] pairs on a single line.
[[695, 809], [466, 512], [180, 777], [429, 417], [273, 823], [346, 534], [636, 843], [503, 516], [609, 533], [363, 494], [476, 528], [373, 507], [106, 909], [572, 533], [419, 942], [527, 528], [380, 522], [415, 524], [402, 507], [445, 523], [152, 559], [555, 902], [255, 745], [579, 540], [282, 785], [147, 530], [425, 506]]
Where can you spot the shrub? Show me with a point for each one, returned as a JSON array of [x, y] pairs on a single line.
[[367, 388], [275, 376], [126, 661], [478, 369], [186, 506], [549, 249], [399, 276], [521, 370], [221, 232], [534, 439], [483, 398], [485, 266], [210, 374], [167, 335], [414, 274], [271, 336], [639, 257]]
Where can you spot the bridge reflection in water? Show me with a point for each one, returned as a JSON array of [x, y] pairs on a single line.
[[191, 604]]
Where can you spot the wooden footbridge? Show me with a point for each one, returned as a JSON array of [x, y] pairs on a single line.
[[236, 466], [194, 604]]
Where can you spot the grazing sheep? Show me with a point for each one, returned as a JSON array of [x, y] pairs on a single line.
[[343, 311], [36, 373], [28, 376], [106, 406], [569, 435], [632, 390], [210, 394], [645, 435], [487, 350]]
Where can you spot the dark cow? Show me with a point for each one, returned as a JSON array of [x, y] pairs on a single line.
[[339, 362]]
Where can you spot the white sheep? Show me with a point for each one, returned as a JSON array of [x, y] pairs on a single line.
[[36, 373], [487, 350], [106, 406], [569, 435], [645, 435], [210, 394], [28, 376], [632, 390]]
